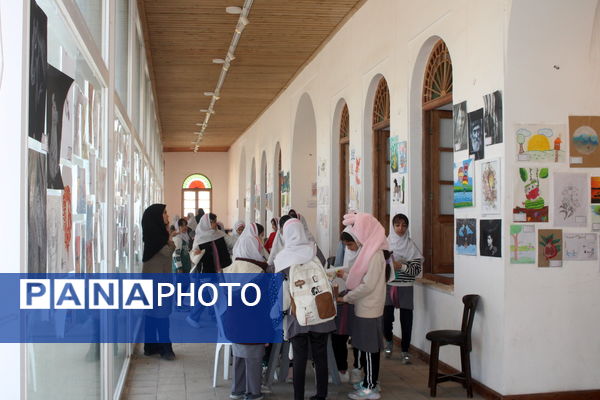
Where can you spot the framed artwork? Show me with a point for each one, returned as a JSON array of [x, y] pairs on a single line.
[[531, 192], [550, 248], [540, 143], [489, 186], [463, 183], [476, 146], [492, 118], [466, 237], [570, 195], [584, 141], [522, 244]]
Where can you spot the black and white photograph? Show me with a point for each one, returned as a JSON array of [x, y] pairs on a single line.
[[476, 134], [58, 85], [36, 213], [490, 237], [492, 118], [461, 133], [37, 71]]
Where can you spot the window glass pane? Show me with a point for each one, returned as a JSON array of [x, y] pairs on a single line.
[[447, 199], [188, 195], [204, 195], [92, 13], [446, 165], [446, 132], [189, 203], [122, 50], [186, 211], [135, 90]]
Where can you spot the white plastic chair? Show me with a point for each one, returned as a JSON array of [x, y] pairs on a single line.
[[226, 360]]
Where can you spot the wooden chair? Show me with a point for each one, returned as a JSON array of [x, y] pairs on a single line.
[[460, 338]]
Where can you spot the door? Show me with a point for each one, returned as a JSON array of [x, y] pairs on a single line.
[[381, 176]]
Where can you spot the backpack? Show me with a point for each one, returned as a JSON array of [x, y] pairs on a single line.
[[312, 299]]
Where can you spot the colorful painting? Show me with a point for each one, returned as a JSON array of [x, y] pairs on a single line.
[[461, 126], [595, 189], [595, 218], [36, 213], [584, 141], [403, 157], [522, 244], [476, 146], [54, 234], [67, 219], [463, 183], [466, 237], [492, 118], [490, 237], [581, 246], [531, 190], [394, 153], [540, 143], [550, 248], [570, 194], [489, 186]]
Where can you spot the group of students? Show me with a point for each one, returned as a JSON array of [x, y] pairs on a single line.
[[371, 276]]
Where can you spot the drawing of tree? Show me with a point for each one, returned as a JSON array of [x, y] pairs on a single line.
[[514, 232]]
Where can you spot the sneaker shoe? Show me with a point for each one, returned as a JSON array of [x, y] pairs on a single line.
[[191, 322], [237, 396], [358, 386], [405, 358], [266, 389], [344, 377], [254, 396], [356, 375], [363, 393], [389, 347]]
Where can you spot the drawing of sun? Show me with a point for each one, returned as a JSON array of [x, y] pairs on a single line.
[[538, 143]]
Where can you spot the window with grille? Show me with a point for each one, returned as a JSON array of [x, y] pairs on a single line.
[[196, 193]]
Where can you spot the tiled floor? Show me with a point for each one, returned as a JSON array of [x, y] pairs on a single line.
[[190, 378]]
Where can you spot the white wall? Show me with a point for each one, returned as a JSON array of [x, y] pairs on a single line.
[[214, 166], [552, 314]]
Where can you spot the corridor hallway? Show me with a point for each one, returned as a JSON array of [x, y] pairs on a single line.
[[189, 377]]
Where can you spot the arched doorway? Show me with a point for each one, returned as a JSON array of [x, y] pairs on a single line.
[[303, 174], [438, 162], [277, 177], [381, 154], [343, 144]]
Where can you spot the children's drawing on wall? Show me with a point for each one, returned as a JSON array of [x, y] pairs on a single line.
[[321, 169], [595, 218], [323, 196], [581, 246], [492, 118], [570, 194], [522, 244], [550, 248], [541, 143], [466, 236], [67, 219], [398, 188], [36, 212], [403, 157], [38, 45], [355, 166], [54, 233], [269, 201], [89, 238], [77, 232], [583, 141], [463, 183], [531, 189], [595, 189], [489, 186], [68, 119], [354, 203], [490, 237], [79, 102], [394, 153], [461, 126], [57, 87], [324, 219], [81, 193], [476, 146]]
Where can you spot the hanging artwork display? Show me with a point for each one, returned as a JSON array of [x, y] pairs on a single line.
[[570, 194], [490, 237], [581, 246], [489, 186], [68, 121], [403, 157], [540, 143], [89, 238], [531, 190], [476, 147], [57, 86], [394, 153], [466, 236], [460, 125], [463, 183], [398, 188], [595, 218], [36, 212], [522, 244], [595, 189], [38, 45], [54, 234], [67, 219], [550, 248], [81, 190], [492, 118], [323, 196], [77, 246], [584, 141]]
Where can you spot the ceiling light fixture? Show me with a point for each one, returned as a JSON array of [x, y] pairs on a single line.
[[233, 10], [209, 93], [218, 61]]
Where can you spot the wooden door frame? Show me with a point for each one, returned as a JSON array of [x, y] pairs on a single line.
[[344, 178], [378, 129]]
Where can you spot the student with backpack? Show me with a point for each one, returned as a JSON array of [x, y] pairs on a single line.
[[311, 306], [366, 284]]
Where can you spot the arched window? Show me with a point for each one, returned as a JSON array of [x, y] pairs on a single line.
[[381, 150], [344, 161], [438, 165], [196, 192]]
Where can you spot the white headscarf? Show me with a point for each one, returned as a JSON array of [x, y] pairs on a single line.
[[276, 248], [191, 220], [249, 245], [175, 222], [404, 249], [349, 255], [309, 235], [204, 233], [239, 223], [298, 249]]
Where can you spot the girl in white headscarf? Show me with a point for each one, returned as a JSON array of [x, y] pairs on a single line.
[[191, 219], [211, 240], [294, 214], [238, 228]]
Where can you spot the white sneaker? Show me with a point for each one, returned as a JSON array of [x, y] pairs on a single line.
[[389, 347], [356, 375], [363, 393], [405, 358], [345, 377]]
